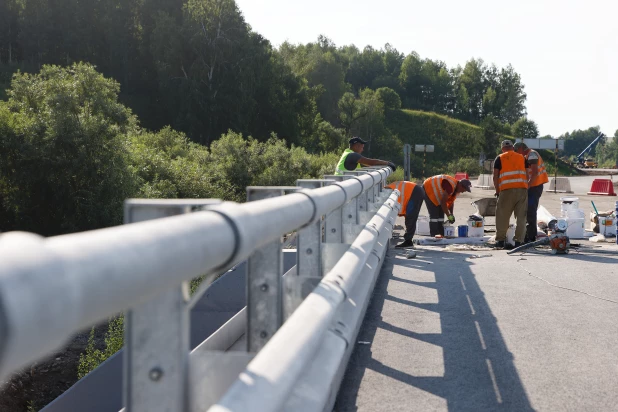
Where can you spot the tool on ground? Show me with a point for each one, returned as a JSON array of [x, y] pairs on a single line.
[[557, 240]]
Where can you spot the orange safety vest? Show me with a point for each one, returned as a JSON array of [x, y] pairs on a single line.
[[434, 191], [405, 192], [541, 177], [513, 174]]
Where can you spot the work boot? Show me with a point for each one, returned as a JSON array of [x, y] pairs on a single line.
[[508, 246], [499, 244], [518, 244], [405, 244]]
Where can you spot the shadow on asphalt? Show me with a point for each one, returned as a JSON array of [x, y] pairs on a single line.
[[588, 255], [479, 374]]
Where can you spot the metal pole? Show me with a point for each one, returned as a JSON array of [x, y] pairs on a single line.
[[424, 159], [556, 168], [157, 331], [264, 271]]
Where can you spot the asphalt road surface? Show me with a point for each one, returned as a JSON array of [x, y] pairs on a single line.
[[480, 330]]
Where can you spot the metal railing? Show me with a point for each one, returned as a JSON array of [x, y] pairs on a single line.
[[297, 328]]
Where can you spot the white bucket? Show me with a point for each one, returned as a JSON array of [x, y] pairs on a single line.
[[575, 229], [476, 228], [422, 226], [449, 231], [510, 234], [607, 226], [575, 214], [568, 203]]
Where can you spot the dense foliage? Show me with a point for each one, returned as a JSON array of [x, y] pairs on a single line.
[[70, 153], [197, 66]]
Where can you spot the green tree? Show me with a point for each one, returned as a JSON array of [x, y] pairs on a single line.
[[390, 98], [63, 162], [577, 140], [525, 128]]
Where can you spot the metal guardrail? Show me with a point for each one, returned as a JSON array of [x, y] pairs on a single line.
[[51, 288]]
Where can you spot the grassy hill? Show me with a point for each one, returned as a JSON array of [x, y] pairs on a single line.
[[458, 144]]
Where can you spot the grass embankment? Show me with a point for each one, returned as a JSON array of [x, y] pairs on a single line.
[[457, 144]]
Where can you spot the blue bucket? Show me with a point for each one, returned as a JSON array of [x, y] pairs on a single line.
[[462, 231]]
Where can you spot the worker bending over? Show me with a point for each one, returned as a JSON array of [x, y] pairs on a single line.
[[537, 177], [440, 194], [351, 158], [411, 198], [511, 182]]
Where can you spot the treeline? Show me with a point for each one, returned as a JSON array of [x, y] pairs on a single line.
[[70, 154], [197, 66]]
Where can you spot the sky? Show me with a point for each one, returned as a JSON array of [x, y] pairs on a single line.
[[565, 51]]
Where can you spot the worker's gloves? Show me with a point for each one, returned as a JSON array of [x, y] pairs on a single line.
[[497, 194], [392, 165], [451, 219]]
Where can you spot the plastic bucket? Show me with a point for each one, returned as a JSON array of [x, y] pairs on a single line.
[[575, 229], [607, 226], [449, 231], [568, 203], [476, 228], [462, 231], [575, 214], [422, 226]]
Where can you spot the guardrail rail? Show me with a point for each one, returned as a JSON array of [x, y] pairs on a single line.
[[287, 350]]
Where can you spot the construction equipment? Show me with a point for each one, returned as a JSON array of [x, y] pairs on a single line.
[[582, 162], [557, 240]]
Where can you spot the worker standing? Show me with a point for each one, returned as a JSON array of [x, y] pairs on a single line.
[[440, 194], [351, 158], [537, 177], [411, 198], [511, 182]]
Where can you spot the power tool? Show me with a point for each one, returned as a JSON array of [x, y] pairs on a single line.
[[557, 239]]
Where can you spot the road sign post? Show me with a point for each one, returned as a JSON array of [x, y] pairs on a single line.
[[425, 148], [407, 149]]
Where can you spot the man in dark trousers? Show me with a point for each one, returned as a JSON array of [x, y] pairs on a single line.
[[411, 199], [440, 194], [537, 177]]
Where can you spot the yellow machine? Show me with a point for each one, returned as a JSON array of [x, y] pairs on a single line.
[[590, 164]]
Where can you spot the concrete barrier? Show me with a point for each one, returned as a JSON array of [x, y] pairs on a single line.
[[602, 187], [485, 182], [560, 184]]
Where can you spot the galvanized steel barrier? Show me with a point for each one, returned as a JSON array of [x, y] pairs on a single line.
[[295, 335]]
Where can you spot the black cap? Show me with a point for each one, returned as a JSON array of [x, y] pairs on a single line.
[[355, 140], [466, 184]]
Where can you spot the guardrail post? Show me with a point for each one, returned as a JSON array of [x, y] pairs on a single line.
[[363, 197], [157, 331], [264, 271], [309, 242], [351, 208]]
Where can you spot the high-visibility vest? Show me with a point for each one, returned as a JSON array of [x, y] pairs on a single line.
[[341, 165], [513, 173], [434, 191], [541, 177], [405, 192]]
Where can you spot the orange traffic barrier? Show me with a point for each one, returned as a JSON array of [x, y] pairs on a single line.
[[602, 187], [461, 175]]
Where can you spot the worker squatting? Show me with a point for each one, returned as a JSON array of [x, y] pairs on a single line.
[[519, 174]]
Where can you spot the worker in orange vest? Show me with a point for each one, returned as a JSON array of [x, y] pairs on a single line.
[[511, 182], [411, 199], [537, 177], [440, 194]]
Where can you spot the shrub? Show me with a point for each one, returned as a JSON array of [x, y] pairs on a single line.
[[63, 152]]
